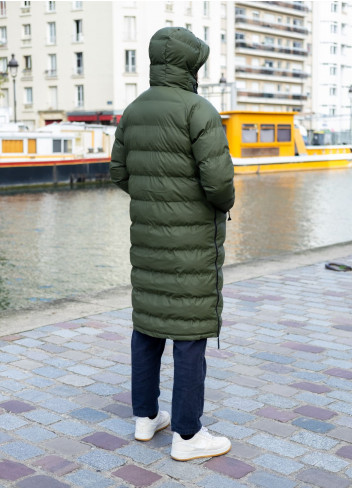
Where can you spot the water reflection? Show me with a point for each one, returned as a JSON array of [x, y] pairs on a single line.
[[62, 243]]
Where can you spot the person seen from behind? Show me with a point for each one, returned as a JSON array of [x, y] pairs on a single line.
[[171, 156]]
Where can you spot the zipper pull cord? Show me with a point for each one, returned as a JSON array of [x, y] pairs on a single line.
[[229, 218]]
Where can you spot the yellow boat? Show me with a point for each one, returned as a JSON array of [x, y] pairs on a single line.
[[262, 142]]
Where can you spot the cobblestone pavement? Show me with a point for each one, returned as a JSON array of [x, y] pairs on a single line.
[[280, 387]]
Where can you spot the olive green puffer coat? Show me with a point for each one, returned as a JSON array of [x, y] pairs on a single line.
[[171, 155]]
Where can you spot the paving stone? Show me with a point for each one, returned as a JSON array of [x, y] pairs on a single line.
[[313, 440], [339, 372], [100, 459], [42, 416], [106, 441], [345, 452], [66, 446], [60, 406], [308, 386], [35, 434], [315, 412], [325, 461], [118, 426], [273, 427], [228, 429], [322, 478], [103, 389], [140, 454], [72, 428], [88, 414], [277, 445], [218, 481], [344, 434], [16, 406], [12, 471], [264, 479], [87, 478], [56, 465], [273, 413], [313, 425], [237, 417], [229, 466], [177, 470], [303, 347], [10, 422], [50, 372], [137, 476], [21, 450], [282, 465], [37, 481], [119, 409]]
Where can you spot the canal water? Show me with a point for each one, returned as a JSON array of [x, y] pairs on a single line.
[[57, 244]]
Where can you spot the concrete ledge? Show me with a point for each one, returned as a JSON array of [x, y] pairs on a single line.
[[120, 297]]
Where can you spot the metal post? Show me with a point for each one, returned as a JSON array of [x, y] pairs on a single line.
[[350, 94], [14, 100]]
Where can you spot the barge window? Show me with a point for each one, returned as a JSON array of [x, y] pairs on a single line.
[[249, 133], [283, 133], [12, 146], [62, 146], [267, 133]]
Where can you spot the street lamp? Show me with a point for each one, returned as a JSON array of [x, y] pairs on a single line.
[[350, 94], [13, 65], [223, 84]]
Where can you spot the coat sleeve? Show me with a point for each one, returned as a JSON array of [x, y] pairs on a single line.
[[211, 152], [118, 169]]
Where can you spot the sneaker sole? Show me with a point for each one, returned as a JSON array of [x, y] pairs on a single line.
[[156, 431], [200, 456]]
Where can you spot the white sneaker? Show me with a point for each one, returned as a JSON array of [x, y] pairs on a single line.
[[203, 444], [146, 427]]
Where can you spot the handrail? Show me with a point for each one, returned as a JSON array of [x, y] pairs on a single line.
[[287, 96], [267, 47], [271, 71], [283, 27]]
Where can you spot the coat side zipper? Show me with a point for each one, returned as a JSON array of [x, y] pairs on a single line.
[[217, 276]]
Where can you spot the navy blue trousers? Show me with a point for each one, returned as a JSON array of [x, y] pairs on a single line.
[[189, 376]]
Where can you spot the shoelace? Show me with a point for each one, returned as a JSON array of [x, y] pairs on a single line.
[[205, 432]]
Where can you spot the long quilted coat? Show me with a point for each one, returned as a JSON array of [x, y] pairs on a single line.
[[171, 155]]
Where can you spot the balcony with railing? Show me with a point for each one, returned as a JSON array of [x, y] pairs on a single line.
[[268, 95], [51, 73], [267, 71], [271, 48], [293, 5], [244, 19]]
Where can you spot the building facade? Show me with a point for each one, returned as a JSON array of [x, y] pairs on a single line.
[[87, 60]]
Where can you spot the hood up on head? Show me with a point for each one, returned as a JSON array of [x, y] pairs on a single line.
[[175, 58]]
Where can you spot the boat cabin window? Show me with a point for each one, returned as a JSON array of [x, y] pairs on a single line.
[[249, 133], [283, 133], [267, 133], [62, 146], [12, 146]]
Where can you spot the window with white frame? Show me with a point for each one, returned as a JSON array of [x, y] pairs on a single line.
[[4, 100], [51, 6], [332, 91], [28, 95], [52, 65], [3, 65], [206, 8], [53, 98], [25, 6], [130, 92], [51, 32], [77, 5], [27, 61], [78, 30], [334, 7], [26, 31], [188, 26], [3, 35], [333, 49], [223, 36], [206, 33], [62, 145], [79, 63], [333, 70], [223, 10], [206, 70], [129, 31], [79, 96], [2, 9], [130, 61], [333, 28], [169, 23]]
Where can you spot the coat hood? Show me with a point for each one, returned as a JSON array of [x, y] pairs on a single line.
[[175, 58]]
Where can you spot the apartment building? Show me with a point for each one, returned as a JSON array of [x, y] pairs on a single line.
[[332, 67], [273, 55], [87, 60]]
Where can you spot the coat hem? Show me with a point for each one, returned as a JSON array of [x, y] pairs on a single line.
[[190, 337]]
